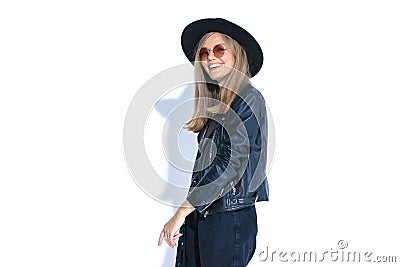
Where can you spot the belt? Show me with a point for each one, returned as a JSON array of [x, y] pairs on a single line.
[[230, 204], [241, 201]]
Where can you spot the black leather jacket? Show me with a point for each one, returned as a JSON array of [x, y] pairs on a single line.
[[230, 172]]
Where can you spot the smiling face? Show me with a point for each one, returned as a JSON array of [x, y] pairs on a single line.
[[218, 64]]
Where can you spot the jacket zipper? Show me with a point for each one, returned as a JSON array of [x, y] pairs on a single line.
[[209, 204], [211, 148], [209, 164], [233, 188]]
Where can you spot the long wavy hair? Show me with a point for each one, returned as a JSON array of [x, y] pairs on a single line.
[[211, 98]]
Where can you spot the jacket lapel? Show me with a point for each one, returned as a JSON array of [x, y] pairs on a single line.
[[211, 127], [208, 130]]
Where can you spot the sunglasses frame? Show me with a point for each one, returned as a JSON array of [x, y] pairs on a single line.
[[209, 50]]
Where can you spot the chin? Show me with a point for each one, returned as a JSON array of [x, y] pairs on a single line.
[[215, 77], [218, 78]]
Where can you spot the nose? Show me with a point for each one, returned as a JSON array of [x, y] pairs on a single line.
[[211, 55]]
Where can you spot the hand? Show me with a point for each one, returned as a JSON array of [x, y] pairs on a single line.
[[169, 232]]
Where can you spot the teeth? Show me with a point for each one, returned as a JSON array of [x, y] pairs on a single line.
[[215, 66]]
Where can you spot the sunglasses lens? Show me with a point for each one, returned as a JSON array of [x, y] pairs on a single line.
[[219, 51], [203, 54]]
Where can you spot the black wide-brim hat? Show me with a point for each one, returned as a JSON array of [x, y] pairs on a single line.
[[193, 32]]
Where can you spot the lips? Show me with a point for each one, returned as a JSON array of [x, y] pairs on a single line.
[[214, 66]]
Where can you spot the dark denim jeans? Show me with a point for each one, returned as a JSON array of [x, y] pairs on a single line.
[[226, 239]]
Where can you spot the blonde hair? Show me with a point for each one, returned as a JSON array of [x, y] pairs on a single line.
[[211, 98]]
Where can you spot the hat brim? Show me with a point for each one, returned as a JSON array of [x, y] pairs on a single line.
[[193, 32]]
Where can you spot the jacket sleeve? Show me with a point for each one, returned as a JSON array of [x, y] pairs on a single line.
[[239, 134]]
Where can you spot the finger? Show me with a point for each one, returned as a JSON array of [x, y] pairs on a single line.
[[171, 241], [177, 235], [160, 239]]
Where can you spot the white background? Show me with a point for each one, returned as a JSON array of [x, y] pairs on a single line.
[[69, 69]]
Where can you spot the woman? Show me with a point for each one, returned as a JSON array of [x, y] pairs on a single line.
[[218, 221]]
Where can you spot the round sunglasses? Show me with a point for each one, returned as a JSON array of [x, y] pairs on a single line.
[[218, 51]]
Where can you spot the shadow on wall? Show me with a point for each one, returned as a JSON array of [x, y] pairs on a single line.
[[187, 147]]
